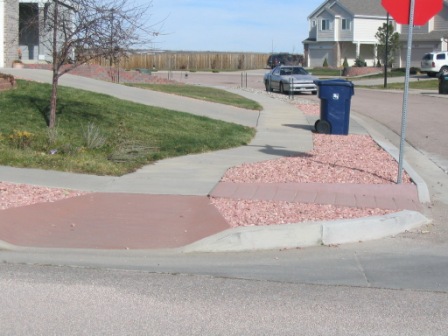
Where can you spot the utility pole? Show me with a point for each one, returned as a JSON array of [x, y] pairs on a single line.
[[386, 54]]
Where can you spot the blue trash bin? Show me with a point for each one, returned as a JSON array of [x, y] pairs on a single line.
[[443, 84], [335, 97]]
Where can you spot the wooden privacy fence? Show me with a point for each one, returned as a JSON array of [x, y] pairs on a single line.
[[192, 61]]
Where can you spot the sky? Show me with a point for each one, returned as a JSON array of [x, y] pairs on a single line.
[[232, 25]]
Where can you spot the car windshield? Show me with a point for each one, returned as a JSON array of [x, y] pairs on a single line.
[[428, 57], [293, 71]]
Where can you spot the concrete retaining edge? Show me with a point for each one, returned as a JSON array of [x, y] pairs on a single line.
[[422, 187], [251, 238]]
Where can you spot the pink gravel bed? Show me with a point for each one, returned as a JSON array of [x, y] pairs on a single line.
[[334, 159], [255, 213], [15, 195], [310, 109]]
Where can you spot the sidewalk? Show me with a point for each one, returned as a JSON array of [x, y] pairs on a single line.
[[165, 205]]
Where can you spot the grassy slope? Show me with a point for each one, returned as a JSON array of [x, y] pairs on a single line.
[[134, 134]]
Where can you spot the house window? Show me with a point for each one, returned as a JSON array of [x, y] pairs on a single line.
[[325, 24], [345, 24], [313, 23]]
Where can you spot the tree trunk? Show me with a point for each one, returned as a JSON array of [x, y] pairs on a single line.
[[54, 98], [54, 91]]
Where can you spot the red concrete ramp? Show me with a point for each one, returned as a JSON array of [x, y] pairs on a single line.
[[112, 221]]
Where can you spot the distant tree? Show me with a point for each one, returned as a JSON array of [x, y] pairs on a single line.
[[393, 43], [78, 31]]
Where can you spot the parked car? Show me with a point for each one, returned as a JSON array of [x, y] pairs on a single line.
[[286, 78], [435, 62], [284, 59]]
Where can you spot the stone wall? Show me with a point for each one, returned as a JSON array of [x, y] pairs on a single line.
[[361, 71], [7, 82], [11, 26]]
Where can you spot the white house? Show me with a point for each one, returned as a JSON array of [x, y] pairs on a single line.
[[433, 36], [341, 29]]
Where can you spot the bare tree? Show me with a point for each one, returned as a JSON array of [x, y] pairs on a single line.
[[78, 31]]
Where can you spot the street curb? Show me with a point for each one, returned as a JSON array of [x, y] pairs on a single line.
[[422, 187], [286, 236], [4, 246]]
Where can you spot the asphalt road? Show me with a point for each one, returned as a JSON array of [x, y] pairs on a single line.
[[39, 300], [426, 117]]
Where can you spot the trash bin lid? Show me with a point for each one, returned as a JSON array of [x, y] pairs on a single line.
[[333, 82]]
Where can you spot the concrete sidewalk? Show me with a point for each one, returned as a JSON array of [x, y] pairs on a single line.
[[165, 205]]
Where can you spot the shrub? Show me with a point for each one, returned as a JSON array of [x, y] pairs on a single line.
[[325, 65], [345, 64], [359, 62], [21, 139], [92, 136]]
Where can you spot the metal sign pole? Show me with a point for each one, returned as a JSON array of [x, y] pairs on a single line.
[[386, 56], [406, 92]]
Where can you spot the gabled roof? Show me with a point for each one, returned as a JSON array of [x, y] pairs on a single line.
[[355, 7], [363, 7]]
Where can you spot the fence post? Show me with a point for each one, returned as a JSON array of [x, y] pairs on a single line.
[[291, 92]]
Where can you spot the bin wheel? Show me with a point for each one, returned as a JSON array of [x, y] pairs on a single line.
[[322, 127]]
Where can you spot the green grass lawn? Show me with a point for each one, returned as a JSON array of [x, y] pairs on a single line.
[[99, 134], [203, 93], [389, 75], [419, 85], [337, 72], [325, 72]]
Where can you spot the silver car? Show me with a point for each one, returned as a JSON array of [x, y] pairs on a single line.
[[286, 78]]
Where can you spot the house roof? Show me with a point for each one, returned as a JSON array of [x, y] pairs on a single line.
[[356, 7], [366, 7]]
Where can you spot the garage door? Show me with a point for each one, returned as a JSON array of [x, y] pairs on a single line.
[[417, 53], [318, 56]]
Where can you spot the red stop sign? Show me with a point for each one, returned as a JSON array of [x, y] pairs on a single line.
[[424, 10]]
